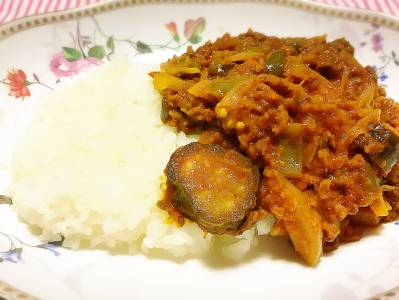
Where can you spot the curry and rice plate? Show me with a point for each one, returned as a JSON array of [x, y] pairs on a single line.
[[243, 134]]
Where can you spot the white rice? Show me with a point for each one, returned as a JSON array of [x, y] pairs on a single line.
[[88, 168]]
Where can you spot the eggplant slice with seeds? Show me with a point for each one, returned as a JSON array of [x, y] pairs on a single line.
[[214, 187]]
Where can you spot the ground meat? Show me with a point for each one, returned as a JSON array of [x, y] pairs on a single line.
[[308, 114]]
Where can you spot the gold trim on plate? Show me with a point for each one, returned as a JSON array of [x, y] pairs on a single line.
[[106, 6], [392, 294], [9, 292]]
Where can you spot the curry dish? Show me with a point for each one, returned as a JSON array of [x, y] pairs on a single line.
[[315, 123]]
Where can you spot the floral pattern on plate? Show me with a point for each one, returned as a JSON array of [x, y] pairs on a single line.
[[18, 83], [14, 253], [79, 274], [15, 246], [375, 40], [70, 61]]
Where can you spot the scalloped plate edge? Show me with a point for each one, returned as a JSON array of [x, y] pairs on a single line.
[[9, 292], [19, 25]]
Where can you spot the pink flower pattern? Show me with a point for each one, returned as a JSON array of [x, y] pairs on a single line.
[[171, 26], [75, 59], [61, 67], [376, 41], [193, 28]]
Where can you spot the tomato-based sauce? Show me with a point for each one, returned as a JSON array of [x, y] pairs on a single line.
[[308, 115]]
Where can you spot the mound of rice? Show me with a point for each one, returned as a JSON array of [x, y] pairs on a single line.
[[89, 167]]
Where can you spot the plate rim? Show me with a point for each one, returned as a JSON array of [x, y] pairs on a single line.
[[19, 25], [9, 292], [26, 23]]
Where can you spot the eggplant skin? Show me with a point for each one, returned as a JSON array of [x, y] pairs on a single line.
[[214, 187]]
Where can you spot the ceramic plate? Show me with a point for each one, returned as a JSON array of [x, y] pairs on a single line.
[[148, 34]]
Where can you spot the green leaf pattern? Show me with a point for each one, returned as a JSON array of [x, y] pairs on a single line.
[[97, 52], [143, 47], [71, 54], [110, 43]]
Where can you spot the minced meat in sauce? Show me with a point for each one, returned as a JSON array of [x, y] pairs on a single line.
[[308, 115]]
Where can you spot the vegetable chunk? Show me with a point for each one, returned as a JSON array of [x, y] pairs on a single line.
[[316, 123], [212, 186], [292, 207]]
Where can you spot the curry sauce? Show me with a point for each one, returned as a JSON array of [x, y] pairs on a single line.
[[308, 115]]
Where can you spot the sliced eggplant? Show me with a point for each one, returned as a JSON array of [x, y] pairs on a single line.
[[214, 187], [388, 158]]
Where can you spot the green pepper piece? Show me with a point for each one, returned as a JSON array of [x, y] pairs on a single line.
[[275, 63], [220, 69], [291, 155], [297, 43]]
